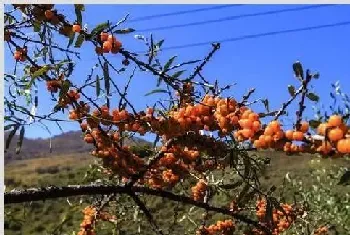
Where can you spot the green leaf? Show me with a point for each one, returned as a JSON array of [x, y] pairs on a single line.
[[40, 71], [106, 77], [20, 140], [124, 31], [159, 44], [71, 39], [8, 127], [159, 81], [316, 75], [79, 40], [156, 91], [36, 26], [11, 135], [98, 89], [99, 28], [291, 90], [169, 63], [298, 70], [313, 97], [65, 88], [178, 74], [266, 104], [78, 9], [36, 74]]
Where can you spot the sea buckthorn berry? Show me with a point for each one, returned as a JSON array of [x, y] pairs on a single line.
[[17, 55], [76, 28], [298, 136], [289, 134], [275, 126], [49, 14], [107, 46], [342, 146], [321, 129], [104, 36], [116, 46], [335, 134], [99, 50], [335, 120]]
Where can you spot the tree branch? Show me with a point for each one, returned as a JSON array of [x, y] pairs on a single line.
[[40, 194]]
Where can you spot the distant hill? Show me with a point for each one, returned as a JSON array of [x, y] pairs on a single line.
[[66, 143]]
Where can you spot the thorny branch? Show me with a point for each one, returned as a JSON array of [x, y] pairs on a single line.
[[40, 194]]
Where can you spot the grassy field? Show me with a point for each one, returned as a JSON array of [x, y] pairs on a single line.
[[62, 216]]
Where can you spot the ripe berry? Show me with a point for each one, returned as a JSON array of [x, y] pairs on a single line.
[[104, 36], [76, 28], [107, 46], [49, 14], [335, 134], [335, 120], [17, 55]]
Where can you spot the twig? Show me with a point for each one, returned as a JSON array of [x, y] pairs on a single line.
[[304, 91], [216, 46], [147, 213]]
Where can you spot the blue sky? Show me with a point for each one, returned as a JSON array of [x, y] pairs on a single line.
[[264, 63]]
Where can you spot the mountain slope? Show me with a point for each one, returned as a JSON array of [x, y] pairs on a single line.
[[67, 143]]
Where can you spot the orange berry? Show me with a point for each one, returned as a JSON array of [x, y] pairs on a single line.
[[48, 14], [268, 139], [234, 120], [104, 36], [247, 133], [76, 28], [107, 46], [111, 38], [256, 126], [289, 134], [17, 55], [335, 134], [89, 139], [245, 114], [99, 50], [343, 146], [279, 135], [268, 131], [116, 47], [298, 135], [325, 148], [211, 101], [257, 144], [253, 116], [321, 129], [275, 126], [304, 126], [335, 120], [245, 123]]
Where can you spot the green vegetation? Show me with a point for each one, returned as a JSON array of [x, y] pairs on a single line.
[[308, 178]]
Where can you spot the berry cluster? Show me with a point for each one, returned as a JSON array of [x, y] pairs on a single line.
[[281, 220], [88, 224], [225, 227], [109, 44], [321, 231], [199, 190]]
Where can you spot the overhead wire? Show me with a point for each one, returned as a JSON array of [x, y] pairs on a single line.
[[150, 17], [235, 17], [252, 36]]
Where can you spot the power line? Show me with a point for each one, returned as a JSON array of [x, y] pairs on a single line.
[[150, 17], [251, 36], [236, 17]]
